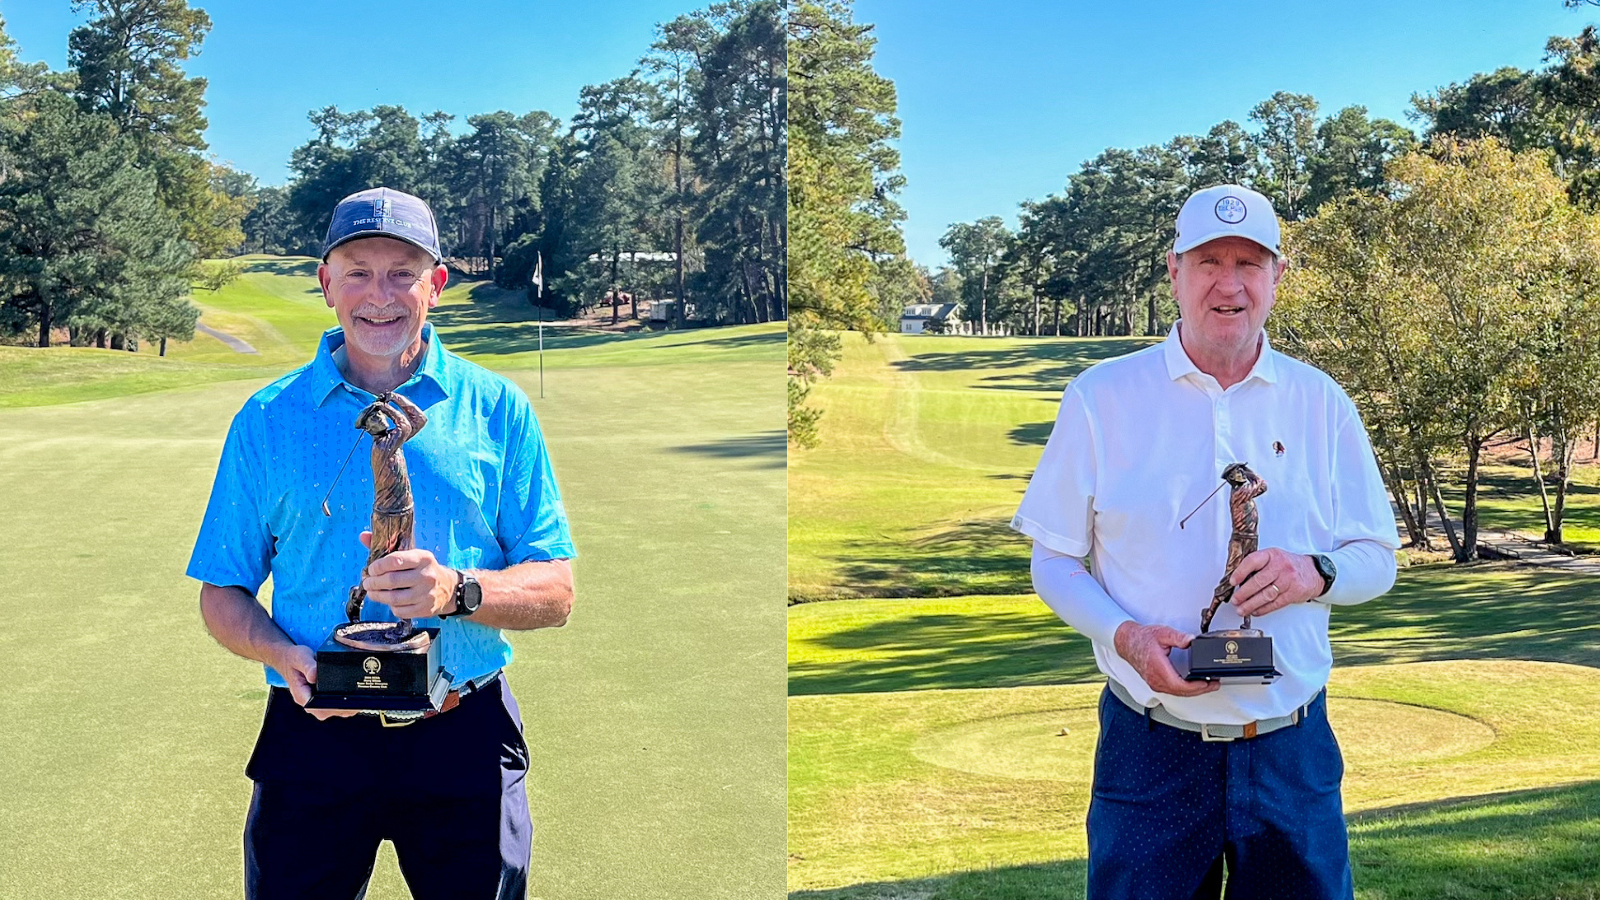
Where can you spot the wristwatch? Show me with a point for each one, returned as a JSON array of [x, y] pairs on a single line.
[[1326, 569], [469, 596]]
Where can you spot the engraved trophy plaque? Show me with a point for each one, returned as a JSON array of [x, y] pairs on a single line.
[[1236, 655], [383, 666]]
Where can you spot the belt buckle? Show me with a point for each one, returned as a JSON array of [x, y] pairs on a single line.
[[383, 717], [1206, 735]]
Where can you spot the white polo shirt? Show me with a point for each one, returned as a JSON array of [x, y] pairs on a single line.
[[1140, 440]]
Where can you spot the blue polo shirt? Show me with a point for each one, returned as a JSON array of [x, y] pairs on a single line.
[[485, 495]]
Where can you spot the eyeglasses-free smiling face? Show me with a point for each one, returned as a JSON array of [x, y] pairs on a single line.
[[1224, 289], [381, 289]]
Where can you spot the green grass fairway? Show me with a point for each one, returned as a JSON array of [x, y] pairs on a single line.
[[927, 443], [654, 717]]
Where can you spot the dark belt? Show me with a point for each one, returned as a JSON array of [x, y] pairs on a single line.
[[391, 719]]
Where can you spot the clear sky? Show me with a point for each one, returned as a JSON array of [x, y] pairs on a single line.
[[270, 62], [1002, 100]]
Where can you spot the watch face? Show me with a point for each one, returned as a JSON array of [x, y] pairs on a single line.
[[471, 595]]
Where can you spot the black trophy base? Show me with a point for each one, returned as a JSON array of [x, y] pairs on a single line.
[[1236, 656], [380, 680]]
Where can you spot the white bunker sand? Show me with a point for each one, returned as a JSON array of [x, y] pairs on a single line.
[[1031, 746]]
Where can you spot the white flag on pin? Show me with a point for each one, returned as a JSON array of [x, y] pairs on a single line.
[[538, 274]]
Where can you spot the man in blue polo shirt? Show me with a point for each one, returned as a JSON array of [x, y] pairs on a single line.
[[492, 551]]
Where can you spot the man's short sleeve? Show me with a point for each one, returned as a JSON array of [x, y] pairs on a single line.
[[1058, 508], [234, 546], [533, 521]]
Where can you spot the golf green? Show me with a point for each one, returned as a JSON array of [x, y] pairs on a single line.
[[983, 792], [655, 717]]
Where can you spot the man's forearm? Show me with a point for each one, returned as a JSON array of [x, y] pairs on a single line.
[[534, 594], [239, 622], [1073, 594], [1366, 569]]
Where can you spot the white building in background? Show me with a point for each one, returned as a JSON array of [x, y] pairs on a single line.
[[915, 319]]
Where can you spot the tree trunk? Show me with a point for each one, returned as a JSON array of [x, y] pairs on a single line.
[[44, 322], [1057, 316], [491, 243], [100, 339], [616, 289], [1469, 508], [163, 346], [983, 302], [1444, 518], [1565, 448], [118, 341], [1397, 487], [1538, 477]]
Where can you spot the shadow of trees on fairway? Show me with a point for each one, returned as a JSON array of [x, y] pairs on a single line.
[[1518, 845], [1037, 433], [983, 648], [770, 447], [1018, 366], [1481, 611], [977, 556], [302, 268], [1064, 879], [1484, 611]]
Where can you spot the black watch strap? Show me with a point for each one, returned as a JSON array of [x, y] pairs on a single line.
[[1327, 570], [468, 596]]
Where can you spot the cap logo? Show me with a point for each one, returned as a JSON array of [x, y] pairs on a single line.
[[380, 207], [1231, 210]]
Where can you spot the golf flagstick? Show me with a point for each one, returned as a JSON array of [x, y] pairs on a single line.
[[538, 281]]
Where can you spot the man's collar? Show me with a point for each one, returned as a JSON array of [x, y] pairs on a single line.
[[1179, 364], [326, 376]]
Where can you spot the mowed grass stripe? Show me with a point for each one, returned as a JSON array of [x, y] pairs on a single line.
[[655, 717]]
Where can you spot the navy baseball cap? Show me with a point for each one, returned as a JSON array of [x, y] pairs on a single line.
[[383, 212]]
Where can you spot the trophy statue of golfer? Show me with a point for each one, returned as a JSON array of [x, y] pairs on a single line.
[[383, 666], [1237, 654]]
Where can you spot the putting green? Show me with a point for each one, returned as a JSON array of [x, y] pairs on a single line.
[[653, 717], [1058, 745], [902, 792]]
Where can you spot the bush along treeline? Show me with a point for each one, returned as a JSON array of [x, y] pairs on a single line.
[[667, 183], [1450, 280], [107, 199]]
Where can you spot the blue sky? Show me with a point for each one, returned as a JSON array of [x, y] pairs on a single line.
[[1002, 100], [269, 63]]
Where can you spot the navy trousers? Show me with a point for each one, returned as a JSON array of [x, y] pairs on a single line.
[[449, 792], [1169, 808]]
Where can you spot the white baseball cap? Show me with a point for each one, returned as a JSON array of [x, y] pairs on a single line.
[[1226, 210]]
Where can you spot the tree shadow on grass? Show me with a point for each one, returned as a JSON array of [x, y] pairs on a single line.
[[1482, 611], [1489, 611], [1063, 879], [986, 648], [1018, 365], [771, 448], [302, 268], [1521, 844], [977, 556], [1036, 433]]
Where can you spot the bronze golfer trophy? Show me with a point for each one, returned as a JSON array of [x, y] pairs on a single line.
[[383, 666], [1244, 654]]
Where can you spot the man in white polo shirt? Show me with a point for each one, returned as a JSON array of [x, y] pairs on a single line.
[[1189, 774]]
